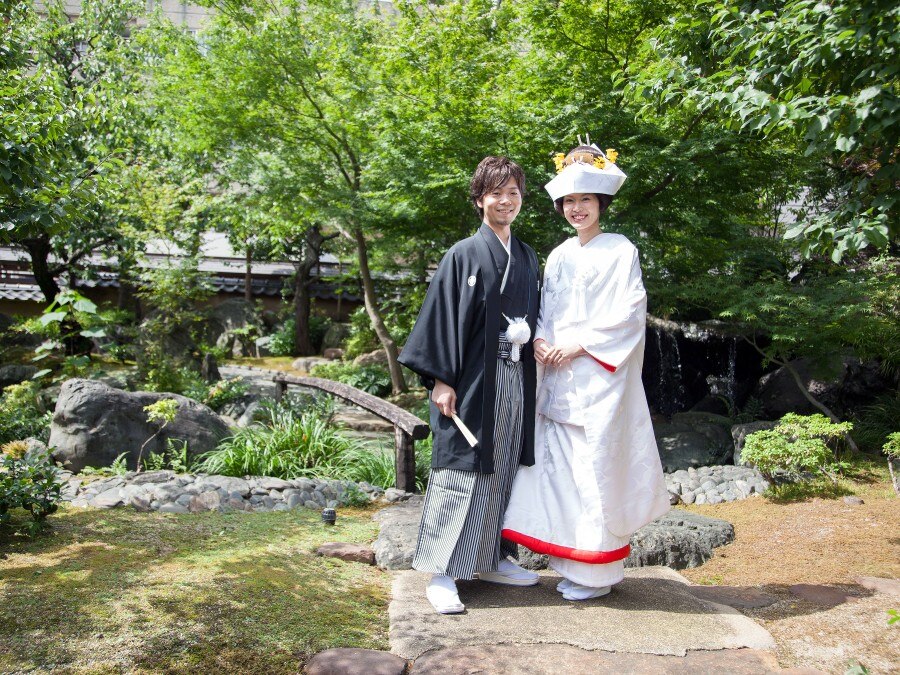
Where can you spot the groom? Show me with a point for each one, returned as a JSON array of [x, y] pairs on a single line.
[[471, 346]]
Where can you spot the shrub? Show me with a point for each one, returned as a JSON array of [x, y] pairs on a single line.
[[22, 413], [175, 457], [798, 444], [282, 343], [371, 379], [224, 392], [874, 422], [28, 480], [286, 446]]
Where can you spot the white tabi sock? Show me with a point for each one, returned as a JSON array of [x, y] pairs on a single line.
[[443, 596]]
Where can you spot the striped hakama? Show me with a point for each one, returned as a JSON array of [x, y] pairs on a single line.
[[460, 530]]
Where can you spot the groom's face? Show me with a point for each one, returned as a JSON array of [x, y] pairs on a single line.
[[502, 204]]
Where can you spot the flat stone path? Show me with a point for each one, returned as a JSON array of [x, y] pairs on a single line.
[[650, 612]]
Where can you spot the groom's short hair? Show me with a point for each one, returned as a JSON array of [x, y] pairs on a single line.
[[492, 172]]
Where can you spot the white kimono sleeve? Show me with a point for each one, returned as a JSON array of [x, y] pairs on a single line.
[[615, 324]]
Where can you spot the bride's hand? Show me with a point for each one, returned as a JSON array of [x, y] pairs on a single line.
[[559, 356]]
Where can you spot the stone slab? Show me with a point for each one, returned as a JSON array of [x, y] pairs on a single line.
[[880, 585], [650, 612], [739, 597], [826, 596], [352, 661], [347, 552], [555, 659]]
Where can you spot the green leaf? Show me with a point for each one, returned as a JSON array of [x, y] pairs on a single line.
[[52, 317]]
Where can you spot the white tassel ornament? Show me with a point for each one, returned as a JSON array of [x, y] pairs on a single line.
[[518, 333]]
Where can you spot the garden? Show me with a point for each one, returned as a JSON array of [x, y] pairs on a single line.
[[160, 499]]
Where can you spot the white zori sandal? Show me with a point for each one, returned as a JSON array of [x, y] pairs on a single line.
[[443, 596], [579, 592], [510, 574]]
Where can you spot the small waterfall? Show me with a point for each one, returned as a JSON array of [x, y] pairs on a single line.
[[668, 395]]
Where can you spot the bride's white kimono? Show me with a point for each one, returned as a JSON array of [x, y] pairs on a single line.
[[597, 476]]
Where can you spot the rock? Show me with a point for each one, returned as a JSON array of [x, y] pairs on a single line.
[[173, 508], [396, 495], [853, 500], [107, 499], [348, 661], [94, 423], [880, 585], [679, 540], [674, 498], [531, 560], [734, 596], [166, 492], [335, 335], [140, 503], [843, 385], [826, 596], [15, 373], [376, 358], [694, 439], [348, 552], [206, 501], [294, 500], [273, 484], [238, 487], [333, 354], [306, 363], [397, 537], [739, 433], [161, 476], [209, 369], [227, 316], [248, 417], [688, 497]]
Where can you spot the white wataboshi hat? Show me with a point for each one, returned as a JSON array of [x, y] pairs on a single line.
[[579, 176]]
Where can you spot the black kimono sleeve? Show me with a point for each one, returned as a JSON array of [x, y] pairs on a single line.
[[447, 327]]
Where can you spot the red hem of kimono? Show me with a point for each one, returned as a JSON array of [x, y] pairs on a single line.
[[610, 368], [577, 554]]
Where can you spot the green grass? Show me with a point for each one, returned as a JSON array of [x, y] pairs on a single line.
[[114, 591]]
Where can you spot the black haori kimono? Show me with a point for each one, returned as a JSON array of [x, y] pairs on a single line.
[[458, 340]]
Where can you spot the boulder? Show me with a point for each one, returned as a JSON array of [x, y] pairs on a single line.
[[678, 539], [94, 423], [376, 358], [227, 316], [333, 354], [739, 433], [844, 384], [335, 335], [397, 537], [694, 439], [15, 373], [209, 369]]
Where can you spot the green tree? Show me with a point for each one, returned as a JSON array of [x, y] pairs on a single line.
[[68, 87], [821, 76]]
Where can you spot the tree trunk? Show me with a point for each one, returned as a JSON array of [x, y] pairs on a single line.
[[895, 473], [39, 252], [817, 403], [248, 275], [302, 343], [311, 249], [806, 393], [398, 384]]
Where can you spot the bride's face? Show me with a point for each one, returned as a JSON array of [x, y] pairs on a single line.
[[582, 210]]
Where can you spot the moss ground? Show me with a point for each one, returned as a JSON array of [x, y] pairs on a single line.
[[114, 591]]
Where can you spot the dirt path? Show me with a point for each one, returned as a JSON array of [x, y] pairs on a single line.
[[790, 552]]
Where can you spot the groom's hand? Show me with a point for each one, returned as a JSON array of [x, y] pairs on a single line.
[[444, 397]]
